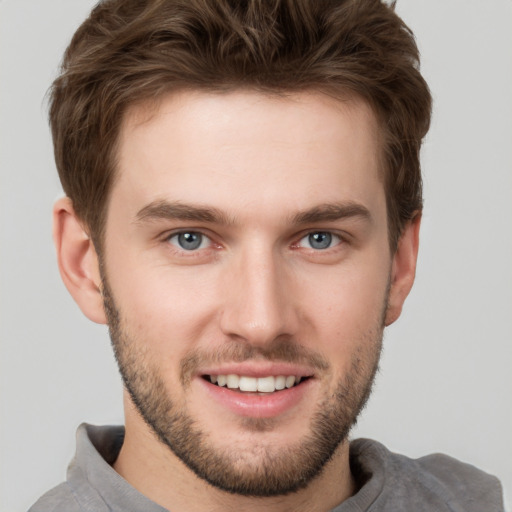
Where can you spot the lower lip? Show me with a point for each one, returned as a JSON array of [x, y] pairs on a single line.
[[257, 405]]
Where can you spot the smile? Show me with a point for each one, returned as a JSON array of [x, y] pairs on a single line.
[[245, 383], [250, 391]]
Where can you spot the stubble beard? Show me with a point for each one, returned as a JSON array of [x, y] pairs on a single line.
[[256, 470]]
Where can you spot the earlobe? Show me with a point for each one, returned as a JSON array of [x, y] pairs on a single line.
[[78, 261], [403, 269]]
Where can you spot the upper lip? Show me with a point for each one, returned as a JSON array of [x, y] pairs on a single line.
[[257, 369]]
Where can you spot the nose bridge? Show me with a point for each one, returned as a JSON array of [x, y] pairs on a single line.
[[257, 306]]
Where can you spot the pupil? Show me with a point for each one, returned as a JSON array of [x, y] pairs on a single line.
[[190, 241], [320, 240]]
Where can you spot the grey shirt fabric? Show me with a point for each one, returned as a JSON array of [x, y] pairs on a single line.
[[388, 482]]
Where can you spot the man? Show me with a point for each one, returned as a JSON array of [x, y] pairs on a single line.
[[243, 208]]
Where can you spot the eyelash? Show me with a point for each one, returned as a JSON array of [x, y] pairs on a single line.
[[333, 237], [197, 255], [193, 233]]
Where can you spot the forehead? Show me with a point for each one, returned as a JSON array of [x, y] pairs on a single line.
[[241, 148]]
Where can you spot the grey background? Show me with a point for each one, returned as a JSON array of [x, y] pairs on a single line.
[[446, 380]]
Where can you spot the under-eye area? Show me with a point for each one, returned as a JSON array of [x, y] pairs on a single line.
[[248, 384]]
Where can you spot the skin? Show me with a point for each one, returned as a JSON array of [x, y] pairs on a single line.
[[259, 162]]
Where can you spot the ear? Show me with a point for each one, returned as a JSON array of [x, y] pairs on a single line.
[[403, 269], [78, 261]]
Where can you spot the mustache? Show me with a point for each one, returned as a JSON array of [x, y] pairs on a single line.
[[282, 349]]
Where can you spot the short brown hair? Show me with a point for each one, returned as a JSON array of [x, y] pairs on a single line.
[[129, 51]]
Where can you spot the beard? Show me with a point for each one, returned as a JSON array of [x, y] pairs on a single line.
[[257, 469]]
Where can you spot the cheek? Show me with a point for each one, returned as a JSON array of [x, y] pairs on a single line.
[[345, 306], [166, 309]]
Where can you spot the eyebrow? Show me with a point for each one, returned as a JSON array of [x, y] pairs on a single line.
[[331, 212], [163, 209], [327, 212]]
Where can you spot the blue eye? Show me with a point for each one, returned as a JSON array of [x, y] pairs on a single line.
[[320, 240], [189, 240]]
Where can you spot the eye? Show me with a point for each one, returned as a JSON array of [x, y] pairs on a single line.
[[319, 240], [189, 240]]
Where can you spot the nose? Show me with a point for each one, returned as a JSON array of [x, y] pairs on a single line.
[[258, 300]]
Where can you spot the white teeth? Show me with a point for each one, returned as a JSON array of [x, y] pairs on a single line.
[[252, 384], [265, 384], [249, 384], [233, 381], [290, 381], [280, 382]]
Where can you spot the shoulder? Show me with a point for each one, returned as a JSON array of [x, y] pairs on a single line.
[[433, 482], [58, 499], [463, 482]]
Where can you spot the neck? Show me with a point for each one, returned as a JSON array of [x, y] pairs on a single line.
[[151, 468]]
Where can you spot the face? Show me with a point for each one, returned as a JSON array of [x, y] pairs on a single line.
[[246, 273]]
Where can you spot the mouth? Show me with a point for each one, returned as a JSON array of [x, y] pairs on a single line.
[[251, 390], [261, 385]]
